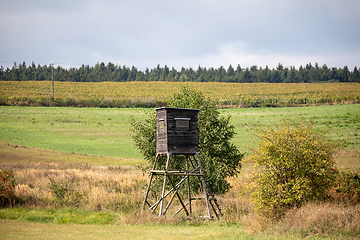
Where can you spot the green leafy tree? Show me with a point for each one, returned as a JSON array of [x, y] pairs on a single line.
[[293, 165], [219, 157]]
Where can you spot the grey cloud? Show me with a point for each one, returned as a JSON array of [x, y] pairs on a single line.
[[181, 33]]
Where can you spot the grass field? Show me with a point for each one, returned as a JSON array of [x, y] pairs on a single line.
[[340, 123], [92, 131], [87, 154], [209, 230], [26, 230], [318, 227], [228, 94], [106, 132]]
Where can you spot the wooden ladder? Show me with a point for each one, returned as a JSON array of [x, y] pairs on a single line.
[[214, 204]]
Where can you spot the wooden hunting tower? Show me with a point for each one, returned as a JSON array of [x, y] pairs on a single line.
[[177, 134]]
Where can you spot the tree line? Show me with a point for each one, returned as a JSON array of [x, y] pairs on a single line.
[[102, 72]]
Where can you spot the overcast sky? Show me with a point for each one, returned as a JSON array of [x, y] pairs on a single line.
[[180, 33]]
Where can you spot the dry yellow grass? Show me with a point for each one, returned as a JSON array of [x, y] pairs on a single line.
[[161, 90], [114, 188], [322, 218], [93, 187], [121, 189]]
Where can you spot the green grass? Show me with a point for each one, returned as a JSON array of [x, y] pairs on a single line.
[[93, 131], [340, 123], [61, 216], [18, 230], [106, 132], [207, 230], [10, 229]]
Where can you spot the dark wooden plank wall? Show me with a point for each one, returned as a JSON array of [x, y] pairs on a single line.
[[177, 140]]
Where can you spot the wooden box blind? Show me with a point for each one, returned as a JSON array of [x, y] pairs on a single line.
[[177, 130]]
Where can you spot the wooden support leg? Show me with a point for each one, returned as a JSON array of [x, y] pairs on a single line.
[[188, 183], [164, 185], [148, 188], [204, 186]]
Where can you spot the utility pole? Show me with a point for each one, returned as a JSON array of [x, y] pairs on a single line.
[[52, 80]]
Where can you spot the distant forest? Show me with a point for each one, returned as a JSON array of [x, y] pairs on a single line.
[[110, 72]]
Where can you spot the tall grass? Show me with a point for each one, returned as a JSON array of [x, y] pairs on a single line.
[[84, 194], [112, 189], [323, 219], [95, 188]]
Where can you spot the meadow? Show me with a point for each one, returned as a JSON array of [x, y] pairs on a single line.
[[150, 94], [105, 132], [77, 166], [78, 174]]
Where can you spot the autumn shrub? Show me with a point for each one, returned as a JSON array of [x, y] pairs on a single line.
[[7, 187], [346, 187], [293, 165]]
